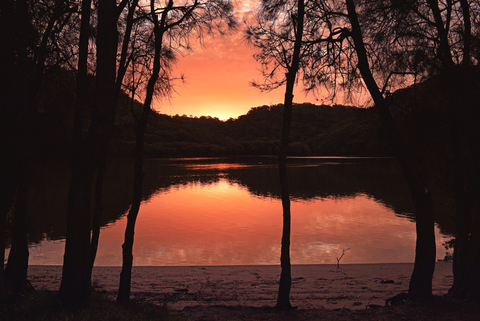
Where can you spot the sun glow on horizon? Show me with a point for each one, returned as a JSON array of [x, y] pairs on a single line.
[[218, 77]]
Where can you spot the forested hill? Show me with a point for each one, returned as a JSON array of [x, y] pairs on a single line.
[[316, 130]]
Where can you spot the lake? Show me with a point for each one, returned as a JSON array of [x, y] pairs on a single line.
[[227, 211]]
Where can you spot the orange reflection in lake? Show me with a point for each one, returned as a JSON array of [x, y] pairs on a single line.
[[217, 212], [222, 224]]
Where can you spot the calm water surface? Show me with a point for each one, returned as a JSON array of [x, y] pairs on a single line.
[[223, 211]]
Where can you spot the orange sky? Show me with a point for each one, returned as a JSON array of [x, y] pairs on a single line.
[[217, 78]]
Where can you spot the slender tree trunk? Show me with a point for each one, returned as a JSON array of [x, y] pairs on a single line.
[[283, 299], [76, 278], [425, 250], [97, 214], [126, 273], [82, 82]]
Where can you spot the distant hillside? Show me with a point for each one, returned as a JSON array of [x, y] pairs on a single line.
[[316, 130]]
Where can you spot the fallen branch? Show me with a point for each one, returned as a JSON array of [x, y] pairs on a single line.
[[339, 258]]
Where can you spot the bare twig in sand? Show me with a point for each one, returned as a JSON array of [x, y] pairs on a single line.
[[339, 258]]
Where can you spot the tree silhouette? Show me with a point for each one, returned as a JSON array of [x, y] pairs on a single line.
[[286, 40], [425, 255], [170, 33], [89, 151], [438, 41], [28, 30], [346, 49], [125, 60]]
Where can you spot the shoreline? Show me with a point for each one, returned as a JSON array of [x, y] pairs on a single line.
[[352, 286]]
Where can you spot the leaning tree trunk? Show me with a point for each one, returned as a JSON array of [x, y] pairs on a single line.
[[283, 299], [425, 250], [126, 273]]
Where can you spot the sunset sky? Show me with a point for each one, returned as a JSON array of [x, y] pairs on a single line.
[[217, 78]]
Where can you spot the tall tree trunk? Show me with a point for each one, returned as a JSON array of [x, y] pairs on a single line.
[[283, 299], [74, 287], [7, 121], [76, 278], [7, 68], [458, 82], [127, 253], [7, 199], [127, 263], [25, 94], [425, 251], [465, 154], [122, 67], [17, 266]]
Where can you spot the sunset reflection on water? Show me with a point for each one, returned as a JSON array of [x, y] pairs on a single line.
[[222, 222]]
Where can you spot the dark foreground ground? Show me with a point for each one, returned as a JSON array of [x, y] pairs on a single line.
[[440, 311], [45, 305]]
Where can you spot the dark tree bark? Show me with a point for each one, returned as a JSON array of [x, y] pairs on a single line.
[[17, 265], [126, 273], [458, 80], [98, 209], [25, 92], [74, 288], [7, 198], [7, 69], [466, 265], [97, 213], [283, 299], [76, 278], [425, 251]]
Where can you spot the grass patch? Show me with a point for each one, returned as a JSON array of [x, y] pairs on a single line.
[[46, 305]]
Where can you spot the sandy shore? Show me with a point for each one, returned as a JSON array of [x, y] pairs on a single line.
[[353, 286]]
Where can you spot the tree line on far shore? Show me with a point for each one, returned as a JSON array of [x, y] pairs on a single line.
[[317, 130]]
